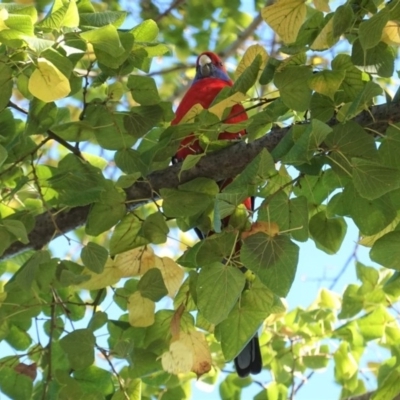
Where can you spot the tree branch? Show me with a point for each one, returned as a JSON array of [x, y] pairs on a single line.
[[242, 37], [218, 166], [173, 5]]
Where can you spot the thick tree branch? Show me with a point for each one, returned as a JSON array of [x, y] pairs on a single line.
[[218, 166]]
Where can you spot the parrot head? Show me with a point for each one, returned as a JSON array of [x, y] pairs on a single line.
[[209, 65]]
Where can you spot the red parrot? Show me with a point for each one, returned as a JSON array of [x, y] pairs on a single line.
[[211, 77]]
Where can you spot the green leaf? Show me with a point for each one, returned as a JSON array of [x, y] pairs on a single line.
[[141, 119], [370, 216], [41, 117], [105, 39], [212, 249], [94, 380], [298, 218], [79, 348], [143, 89], [244, 320], [372, 326], [309, 142], [342, 19], [378, 59], [293, 86], [110, 129], [386, 250], [78, 131], [352, 83], [77, 182], [248, 77], [255, 173], [152, 286], [349, 140], [65, 15], [389, 388], [327, 233], [126, 235], [317, 361], [370, 31], [372, 180], [272, 259], [219, 284], [190, 161], [147, 31], [327, 82], [346, 365], [30, 269], [3, 155], [155, 229], [363, 100], [102, 18], [16, 228], [321, 107], [367, 275], [14, 384], [390, 147], [18, 337], [94, 257], [6, 84], [98, 320], [130, 161], [62, 63], [104, 214], [190, 199]]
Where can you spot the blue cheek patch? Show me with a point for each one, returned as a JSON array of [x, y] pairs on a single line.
[[217, 73]]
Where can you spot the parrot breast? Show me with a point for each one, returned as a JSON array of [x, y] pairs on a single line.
[[204, 92]]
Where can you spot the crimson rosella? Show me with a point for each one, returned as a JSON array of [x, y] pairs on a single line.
[[211, 77]]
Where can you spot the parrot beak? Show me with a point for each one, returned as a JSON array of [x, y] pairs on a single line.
[[205, 65]]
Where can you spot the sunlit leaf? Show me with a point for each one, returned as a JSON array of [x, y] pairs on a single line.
[[141, 310], [285, 17], [47, 83]]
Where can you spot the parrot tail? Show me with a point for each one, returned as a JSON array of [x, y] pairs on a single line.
[[249, 359]]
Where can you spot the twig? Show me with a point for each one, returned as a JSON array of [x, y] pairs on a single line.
[[173, 5], [242, 37], [50, 133], [120, 381], [178, 67], [353, 256], [49, 347]]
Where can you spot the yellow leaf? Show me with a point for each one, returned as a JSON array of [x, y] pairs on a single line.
[[110, 276], [141, 310], [179, 358], [322, 5], [47, 83], [325, 38], [3, 17], [391, 33], [172, 274], [192, 113], [285, 17], [219, 108], [251, 53], [115, 91], [71, 18], [270, 228], [196, 342], [135, 262]]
